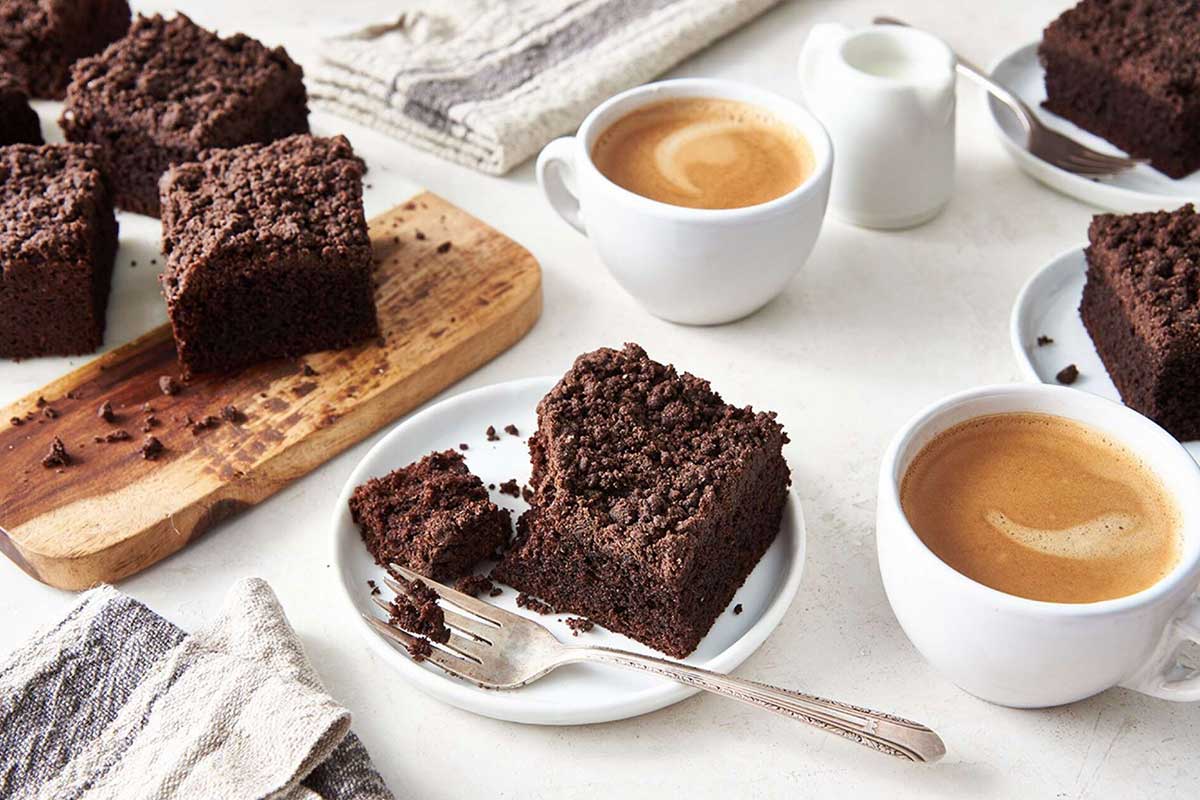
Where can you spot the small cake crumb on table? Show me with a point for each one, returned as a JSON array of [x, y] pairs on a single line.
[[533, 604], [580, 625], [474, 585], [1068, 374]]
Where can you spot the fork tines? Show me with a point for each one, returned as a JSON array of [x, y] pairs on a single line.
[[472, 633]]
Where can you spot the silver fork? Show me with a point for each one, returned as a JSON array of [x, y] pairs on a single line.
[[1047, 144], [496, 649]]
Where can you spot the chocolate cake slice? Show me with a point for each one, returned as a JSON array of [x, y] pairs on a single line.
[[41, 39], [267, 253], [58, 238], [1129, 71], [653, 499], [1141, 305], [171, 89], [18, 122], [433, 516]]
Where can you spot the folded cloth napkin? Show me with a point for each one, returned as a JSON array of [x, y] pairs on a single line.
[[488, 82], [116, 702]]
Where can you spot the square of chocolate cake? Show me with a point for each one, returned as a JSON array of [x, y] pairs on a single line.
[[18, 122], [1141, 305], [58, 238], [433, 516], [653, 499], [171, 89], [41, 39], [267, 253], [1129, 71]]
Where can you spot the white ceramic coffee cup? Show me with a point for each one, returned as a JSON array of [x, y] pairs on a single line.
[[1029, 653], [688, 265]]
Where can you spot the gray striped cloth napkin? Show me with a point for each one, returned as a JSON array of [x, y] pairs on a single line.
[[116, 702], [487, 83]]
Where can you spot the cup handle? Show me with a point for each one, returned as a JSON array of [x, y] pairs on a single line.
[[555, 158], [1163, 676]]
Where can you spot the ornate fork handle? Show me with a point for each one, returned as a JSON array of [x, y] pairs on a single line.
[[885, 733]]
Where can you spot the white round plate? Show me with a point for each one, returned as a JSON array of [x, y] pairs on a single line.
[[1138, 189], [1048, 305], [577, 693]]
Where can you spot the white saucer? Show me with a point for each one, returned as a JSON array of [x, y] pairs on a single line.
[[578, 693], [1138, 189], [1048, 305]]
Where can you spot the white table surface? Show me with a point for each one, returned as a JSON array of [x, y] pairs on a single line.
[[877, 325]]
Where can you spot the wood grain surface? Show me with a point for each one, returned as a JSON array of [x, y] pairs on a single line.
[[452, 294]]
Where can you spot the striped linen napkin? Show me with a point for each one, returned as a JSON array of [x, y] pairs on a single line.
[[487, 83], [116, 702]]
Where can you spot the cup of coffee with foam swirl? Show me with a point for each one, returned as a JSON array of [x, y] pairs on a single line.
[[1039, 544], [703, 197]]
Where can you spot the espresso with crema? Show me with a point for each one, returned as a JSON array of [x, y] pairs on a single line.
[[704, 153], [1042, 507]]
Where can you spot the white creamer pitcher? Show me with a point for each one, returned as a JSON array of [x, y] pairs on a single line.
[[886, 95]]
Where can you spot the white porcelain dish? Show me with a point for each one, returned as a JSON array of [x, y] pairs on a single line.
[[1048, 305], [1138, 189], [579, 693]]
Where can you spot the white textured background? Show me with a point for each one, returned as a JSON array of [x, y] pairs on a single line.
[[878, 325]]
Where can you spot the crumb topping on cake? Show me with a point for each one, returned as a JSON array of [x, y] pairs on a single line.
[[640, 444], [47, 199], [1154, 40], [173, 75], [1158, 254]]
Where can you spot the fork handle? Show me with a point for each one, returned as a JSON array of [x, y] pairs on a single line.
[[885, 733], [968, 70]]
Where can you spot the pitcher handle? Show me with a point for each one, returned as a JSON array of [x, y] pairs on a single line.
[[816, 45]]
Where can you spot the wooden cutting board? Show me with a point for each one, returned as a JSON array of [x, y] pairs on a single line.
[[444, 310]]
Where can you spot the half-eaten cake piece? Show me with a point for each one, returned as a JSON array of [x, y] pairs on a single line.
[[653, 499], [267, 253], [1141, 305], [433, 516]]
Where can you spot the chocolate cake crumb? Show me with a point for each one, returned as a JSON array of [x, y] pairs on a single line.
[[416, 611], [58, 455], [232, 414], [580, 625], [15, 421], [420, 236], [150, 424], [527, 494], [463, 446], [495, 592], [152, 448], [737, 609], [105, 412], [1042, 341], [201, 425], [49, 413], [1067, 375], [374, 587], [308, 371], [491, 434], [168, 385], [510, 488], [433, 516], [114, 436], [533, 604], [511, 430], [41, 402], [444, 247], [474, 585], [492, 486], [420, 649]]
